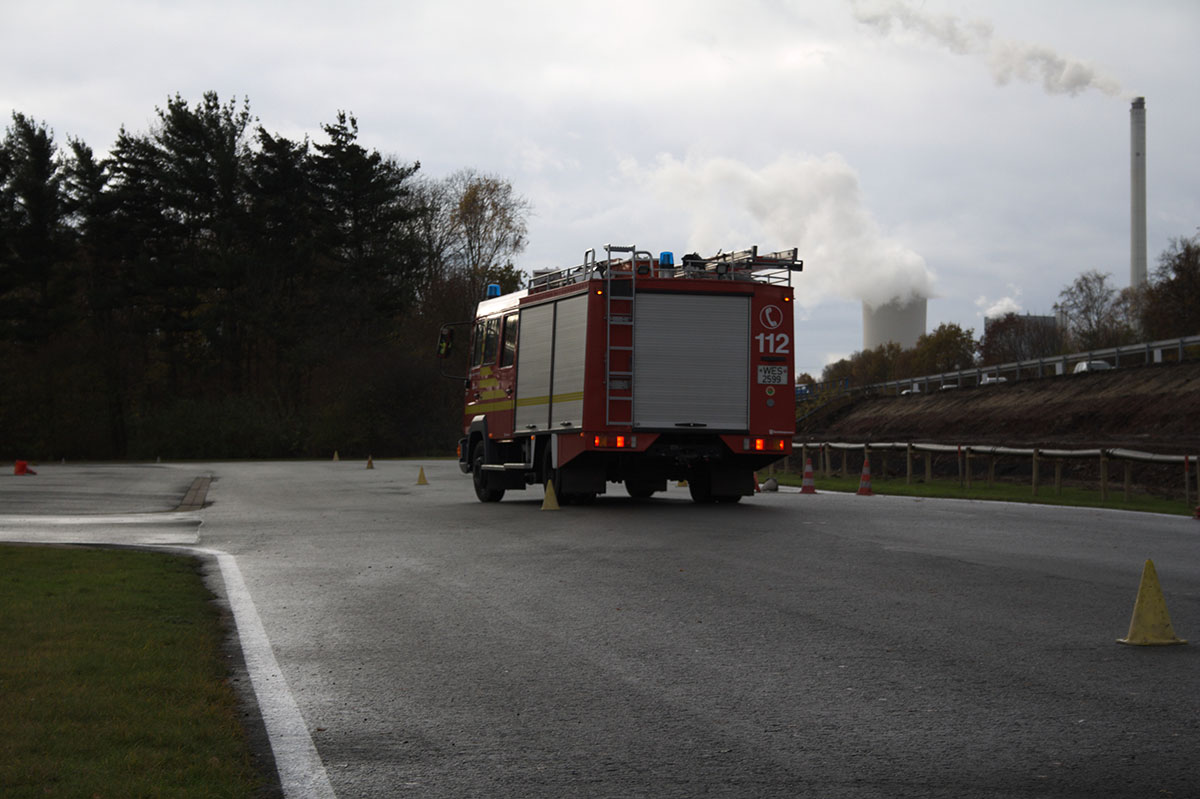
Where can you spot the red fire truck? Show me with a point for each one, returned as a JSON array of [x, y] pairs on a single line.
[[632, 369]]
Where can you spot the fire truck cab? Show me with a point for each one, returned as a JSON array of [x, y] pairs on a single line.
[[632, 369]]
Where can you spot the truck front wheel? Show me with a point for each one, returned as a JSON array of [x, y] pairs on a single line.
[[482, 490]]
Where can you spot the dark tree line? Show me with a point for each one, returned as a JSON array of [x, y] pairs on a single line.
[[211, 289]]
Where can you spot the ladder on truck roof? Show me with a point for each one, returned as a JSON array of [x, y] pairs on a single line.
[[620, 302]]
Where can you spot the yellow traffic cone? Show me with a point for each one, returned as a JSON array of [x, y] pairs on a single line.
[[551, 501], [1151, 624], [421, 481], [335, 457], [370, 462]]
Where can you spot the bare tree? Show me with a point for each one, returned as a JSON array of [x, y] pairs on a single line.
[[1014, 337], [1171, 304], [1097, 314]]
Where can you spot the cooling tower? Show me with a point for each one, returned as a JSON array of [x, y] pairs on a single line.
[[901, 322], [1137, 189]]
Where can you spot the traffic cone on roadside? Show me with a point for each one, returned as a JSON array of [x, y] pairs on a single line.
[[1151, 624], [864, 483], [550, 502], [335, 456], [421, 481], [370, 462], [808, 485]]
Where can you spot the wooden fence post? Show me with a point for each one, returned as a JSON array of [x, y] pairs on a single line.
[[991, 470], [1128, 478], [967, 456], [1035, 472], [1103, 478], [1187, 485], [928, 467], [908, 458], [1058, 467]]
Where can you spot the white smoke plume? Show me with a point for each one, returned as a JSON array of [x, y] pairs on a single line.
[[809, 202], [1007, 60], [991, 309]]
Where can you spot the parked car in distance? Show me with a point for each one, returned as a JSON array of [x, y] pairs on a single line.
[[988, 380], [1092, 366], [948, 386], [915, 388]]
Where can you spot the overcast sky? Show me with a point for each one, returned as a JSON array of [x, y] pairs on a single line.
[[974, 151]]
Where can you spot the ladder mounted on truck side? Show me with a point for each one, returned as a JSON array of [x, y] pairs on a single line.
[[620, 303]]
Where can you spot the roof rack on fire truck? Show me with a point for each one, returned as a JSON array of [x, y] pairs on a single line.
[[775, 268]]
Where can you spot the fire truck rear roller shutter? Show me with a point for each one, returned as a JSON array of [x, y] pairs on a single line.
[[692, 361]]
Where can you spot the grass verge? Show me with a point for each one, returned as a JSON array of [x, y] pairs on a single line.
[[112, 679], [1001, 492]]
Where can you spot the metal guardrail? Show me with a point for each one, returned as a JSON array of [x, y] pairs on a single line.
[[1150, 352]]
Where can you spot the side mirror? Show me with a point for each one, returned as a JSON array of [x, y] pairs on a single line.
[[445, 342]]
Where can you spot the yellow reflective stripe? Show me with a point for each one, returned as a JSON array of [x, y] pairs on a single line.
[[527, 402], [488, 407], [574, 396]]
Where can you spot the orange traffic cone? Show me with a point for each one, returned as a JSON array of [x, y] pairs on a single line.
[[864, 483], [808, 486]]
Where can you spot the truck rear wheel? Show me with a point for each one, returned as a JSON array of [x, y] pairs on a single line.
[[700, 487], [482, 490], [639, 490]]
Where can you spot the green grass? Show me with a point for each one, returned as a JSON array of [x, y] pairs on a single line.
[[1000, 491], [112, 681]]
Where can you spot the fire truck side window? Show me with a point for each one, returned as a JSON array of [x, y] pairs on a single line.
[[477, 345], [508, 355], [491, 340]]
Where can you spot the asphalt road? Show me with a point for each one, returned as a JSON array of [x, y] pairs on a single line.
[[823, 646]]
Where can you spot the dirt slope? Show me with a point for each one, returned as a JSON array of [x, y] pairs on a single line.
[[1152, 408]]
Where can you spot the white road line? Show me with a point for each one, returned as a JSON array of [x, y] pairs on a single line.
[[301, 772]]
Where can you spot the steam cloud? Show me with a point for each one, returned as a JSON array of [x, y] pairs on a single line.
[[1007, 59], [804, 201]]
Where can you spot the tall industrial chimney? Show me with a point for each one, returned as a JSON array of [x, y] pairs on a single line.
[[1137, 188]]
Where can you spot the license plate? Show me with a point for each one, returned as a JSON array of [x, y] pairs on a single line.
[[772, 375]]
